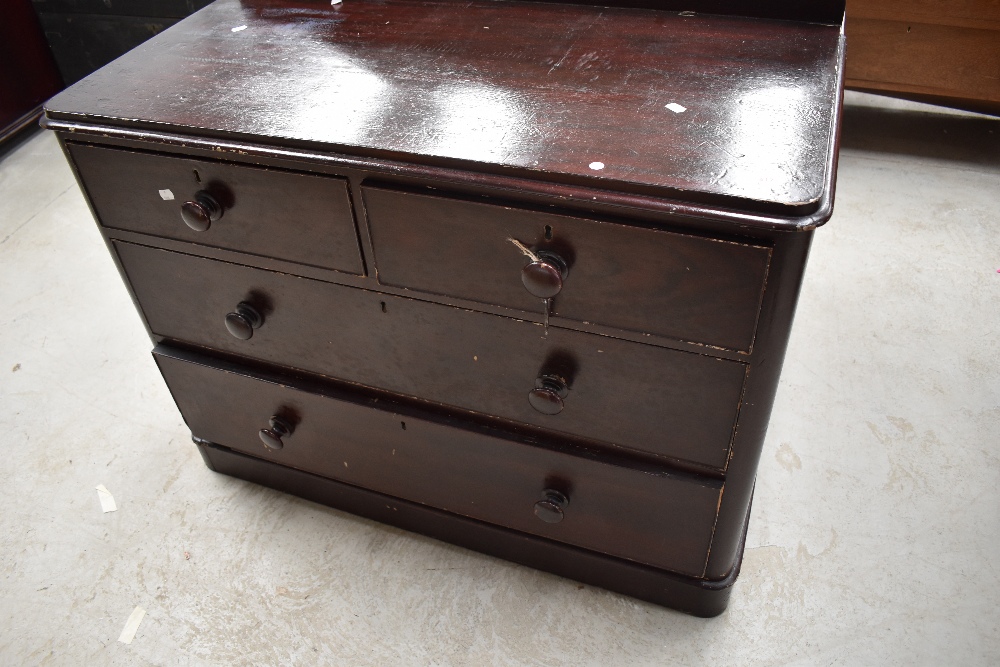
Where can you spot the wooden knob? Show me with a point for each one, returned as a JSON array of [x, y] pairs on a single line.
[[550, 508], [243, 321], [544, 276], [271, 437], [201, 212], [548, 394]]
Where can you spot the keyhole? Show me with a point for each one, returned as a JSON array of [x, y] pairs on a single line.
[[197, 176], [548, 232]]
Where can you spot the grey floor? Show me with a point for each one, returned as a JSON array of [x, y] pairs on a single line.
[[876, 526]]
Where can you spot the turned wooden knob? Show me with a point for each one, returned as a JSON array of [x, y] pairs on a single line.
[[550, 508], [278, 429], [242, 321], [548, 394], [200, 212], [544, 276]]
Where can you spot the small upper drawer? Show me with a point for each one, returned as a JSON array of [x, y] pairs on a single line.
[[285, 215], [646, 515], [684, 287]]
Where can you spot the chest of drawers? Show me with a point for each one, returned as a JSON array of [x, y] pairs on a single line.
[[518, 276]]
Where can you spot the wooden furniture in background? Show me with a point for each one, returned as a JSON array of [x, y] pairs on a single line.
[[518, 276], [28, 75], [945, 53], [85, 35]]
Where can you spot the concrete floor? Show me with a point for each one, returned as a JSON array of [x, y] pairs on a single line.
[[876, 527]]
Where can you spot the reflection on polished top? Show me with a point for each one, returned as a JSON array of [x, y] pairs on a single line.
[[703, 108]]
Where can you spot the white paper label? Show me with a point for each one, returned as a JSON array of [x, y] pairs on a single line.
[[131, 625], [107, 500]]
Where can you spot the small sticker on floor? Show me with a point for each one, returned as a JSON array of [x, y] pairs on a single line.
[[107, 500], [166, 195], [676, 108], [131, 625], [597, 166], [239, 28]]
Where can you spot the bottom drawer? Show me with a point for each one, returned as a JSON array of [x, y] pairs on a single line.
[[649, 516]]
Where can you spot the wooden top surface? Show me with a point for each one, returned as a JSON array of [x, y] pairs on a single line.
[[548, 91]]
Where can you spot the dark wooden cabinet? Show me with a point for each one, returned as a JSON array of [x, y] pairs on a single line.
[[515, 275]]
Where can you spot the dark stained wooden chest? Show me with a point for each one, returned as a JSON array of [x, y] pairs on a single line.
[[515, 275]]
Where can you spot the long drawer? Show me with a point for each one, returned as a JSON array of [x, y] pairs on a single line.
[[641, 397], [647, 516], [676, 285], [286, 215]]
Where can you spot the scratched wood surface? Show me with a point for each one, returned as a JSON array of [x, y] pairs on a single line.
[[580, 96]]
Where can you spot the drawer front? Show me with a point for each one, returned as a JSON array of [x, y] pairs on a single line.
[[285, 215], [664, 402], [653, 518], [683, 287]]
